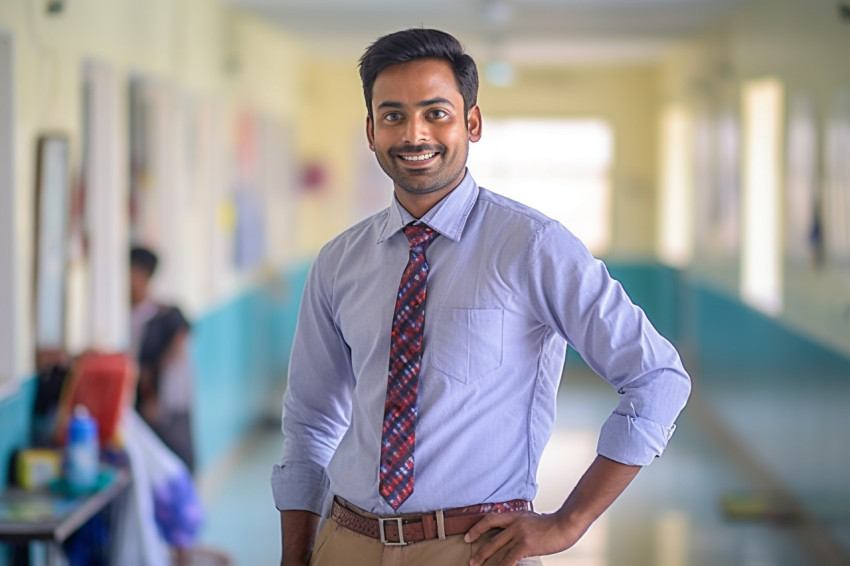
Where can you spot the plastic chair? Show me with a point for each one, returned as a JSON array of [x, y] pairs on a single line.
[[105, 384]]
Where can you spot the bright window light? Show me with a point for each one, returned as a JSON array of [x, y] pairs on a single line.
[[676, 233], [761, 251], [560, 167]]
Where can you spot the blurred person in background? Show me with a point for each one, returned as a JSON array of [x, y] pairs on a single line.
[[159, 342], [415, 427]]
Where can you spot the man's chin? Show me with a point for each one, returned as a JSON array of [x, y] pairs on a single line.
[[419, 189]]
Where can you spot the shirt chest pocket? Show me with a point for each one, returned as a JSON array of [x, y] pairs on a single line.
[[467, 343]]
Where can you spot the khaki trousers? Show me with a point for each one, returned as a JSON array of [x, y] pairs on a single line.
[[338, 546]]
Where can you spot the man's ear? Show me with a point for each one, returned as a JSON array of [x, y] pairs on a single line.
[[473, 120], [370, 132]]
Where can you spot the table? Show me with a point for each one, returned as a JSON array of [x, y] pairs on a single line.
[[50, 518]]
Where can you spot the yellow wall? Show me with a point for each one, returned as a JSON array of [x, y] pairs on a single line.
[[331, 123]]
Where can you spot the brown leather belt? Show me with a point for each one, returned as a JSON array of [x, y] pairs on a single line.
[[410, 528]]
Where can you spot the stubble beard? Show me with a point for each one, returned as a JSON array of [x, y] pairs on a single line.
[[425, 181]]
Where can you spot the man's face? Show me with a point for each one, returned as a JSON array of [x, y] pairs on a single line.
[[418, 130], [139, 281]]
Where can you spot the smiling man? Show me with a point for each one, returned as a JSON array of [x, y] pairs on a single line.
[[420, 131], [430, 345]]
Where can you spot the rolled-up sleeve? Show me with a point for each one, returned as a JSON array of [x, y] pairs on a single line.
[[582, 302], [644, 420], [317, 402]]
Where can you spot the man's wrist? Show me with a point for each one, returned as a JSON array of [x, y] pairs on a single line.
[[573, 519]]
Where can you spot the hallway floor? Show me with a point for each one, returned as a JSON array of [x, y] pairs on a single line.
[[705, 503]]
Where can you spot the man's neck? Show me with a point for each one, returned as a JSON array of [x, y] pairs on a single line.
[[418, 205]]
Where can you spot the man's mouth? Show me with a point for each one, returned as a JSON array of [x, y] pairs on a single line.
[[422, 157]]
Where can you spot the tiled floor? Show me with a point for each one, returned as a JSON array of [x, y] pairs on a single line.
[[671, 516], [241, 517]]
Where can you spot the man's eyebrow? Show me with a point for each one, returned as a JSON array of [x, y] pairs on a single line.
[[421, 104], [433, 101]]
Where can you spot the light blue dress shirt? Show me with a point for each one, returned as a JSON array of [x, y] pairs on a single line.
[[508, 289]]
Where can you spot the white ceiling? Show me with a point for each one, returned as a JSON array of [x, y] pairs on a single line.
[[516, 30]]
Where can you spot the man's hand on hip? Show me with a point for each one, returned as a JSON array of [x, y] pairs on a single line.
[[528, 534], [522, 535]]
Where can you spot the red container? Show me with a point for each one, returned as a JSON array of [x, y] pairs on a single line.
[[105, 384]]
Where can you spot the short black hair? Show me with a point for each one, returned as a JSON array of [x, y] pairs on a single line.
[[419, 43], [144, 259]]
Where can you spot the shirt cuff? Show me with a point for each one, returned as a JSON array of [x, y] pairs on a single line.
[[300, 487], [633, 440]]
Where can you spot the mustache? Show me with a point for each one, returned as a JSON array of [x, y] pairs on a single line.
[[424, 148]]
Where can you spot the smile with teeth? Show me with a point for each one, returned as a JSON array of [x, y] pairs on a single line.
[[422, 157]]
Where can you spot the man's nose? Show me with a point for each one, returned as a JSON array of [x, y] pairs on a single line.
[[417, 130]]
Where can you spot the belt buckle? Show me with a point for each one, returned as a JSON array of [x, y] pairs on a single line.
[[381, 529]]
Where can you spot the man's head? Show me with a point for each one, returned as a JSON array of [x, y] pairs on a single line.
[[143, 264], [414, 44], [421, 90]]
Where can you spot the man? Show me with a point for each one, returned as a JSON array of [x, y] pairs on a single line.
[[159, 340], [423, 407]]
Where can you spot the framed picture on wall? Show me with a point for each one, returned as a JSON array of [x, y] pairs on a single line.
[[51, 228]]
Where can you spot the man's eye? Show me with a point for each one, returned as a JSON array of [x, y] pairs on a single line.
[[392, 117], [438, 114]]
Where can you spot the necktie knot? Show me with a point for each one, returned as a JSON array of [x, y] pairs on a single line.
[[419, 236]]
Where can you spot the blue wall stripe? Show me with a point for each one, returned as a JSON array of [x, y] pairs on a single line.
[[241, 353], [15, 412]]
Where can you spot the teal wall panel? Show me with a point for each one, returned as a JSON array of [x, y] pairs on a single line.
[[729, 334], [15, 412], [241, 351]]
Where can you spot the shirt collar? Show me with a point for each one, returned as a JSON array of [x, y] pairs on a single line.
[[448, 217]]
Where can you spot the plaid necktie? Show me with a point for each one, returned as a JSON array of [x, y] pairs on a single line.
[[398, 437]]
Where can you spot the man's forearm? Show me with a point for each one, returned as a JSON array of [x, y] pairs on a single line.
[[597, 489], [298, 533]]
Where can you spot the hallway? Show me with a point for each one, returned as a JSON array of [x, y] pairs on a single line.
[[672, 515], [699, 148]]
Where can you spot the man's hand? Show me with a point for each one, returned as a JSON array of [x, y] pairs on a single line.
[[524, 535], [528, 534]]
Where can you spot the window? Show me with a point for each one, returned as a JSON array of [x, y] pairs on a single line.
[[560, 167], [761, 252]]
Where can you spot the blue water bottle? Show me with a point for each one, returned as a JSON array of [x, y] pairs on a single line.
[[82, 453]]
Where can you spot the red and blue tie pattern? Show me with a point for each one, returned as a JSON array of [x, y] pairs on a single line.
[[399, 431]]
